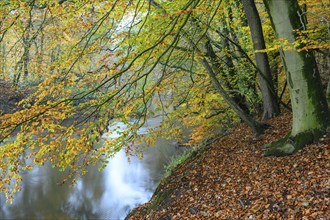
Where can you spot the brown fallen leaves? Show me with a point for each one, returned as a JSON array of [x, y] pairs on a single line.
[[232, 180]]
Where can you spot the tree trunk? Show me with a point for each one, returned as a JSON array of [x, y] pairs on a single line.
[[26, 56], [328, 92], [309, 106], [257, 128], [3, 60], [230, 42], [269, 96], [237, 96]]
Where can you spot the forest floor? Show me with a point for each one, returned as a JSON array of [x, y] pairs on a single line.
[[231, 179]]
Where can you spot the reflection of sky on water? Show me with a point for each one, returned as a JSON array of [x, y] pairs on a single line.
[[109, 194], [126, 185]]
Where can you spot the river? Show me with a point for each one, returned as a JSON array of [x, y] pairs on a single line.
[[109, 194]]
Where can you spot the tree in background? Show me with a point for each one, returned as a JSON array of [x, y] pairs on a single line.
[[269, 97]]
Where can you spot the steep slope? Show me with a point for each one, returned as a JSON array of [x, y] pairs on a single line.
[[231, 179]]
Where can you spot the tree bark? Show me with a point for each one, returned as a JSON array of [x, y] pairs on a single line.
[[3, 59], [309, 106], [256, 127], [269, 97], [328, 92], [226, 78]]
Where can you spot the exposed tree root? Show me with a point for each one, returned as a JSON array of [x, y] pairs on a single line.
[[291, 144]]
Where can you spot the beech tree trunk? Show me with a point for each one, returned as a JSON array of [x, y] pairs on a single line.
[[309, 105], [256, 127], [328, 92], [269, 97], [226, 78]]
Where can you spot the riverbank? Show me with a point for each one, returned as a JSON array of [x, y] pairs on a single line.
[[10, 95], [231, 179]]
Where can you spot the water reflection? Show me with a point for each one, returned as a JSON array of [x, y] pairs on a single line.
[[109, 194], [127, 185]]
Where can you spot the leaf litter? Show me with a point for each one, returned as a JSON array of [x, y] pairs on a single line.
[[231, 179]]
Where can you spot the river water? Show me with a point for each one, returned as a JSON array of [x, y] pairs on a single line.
[[109, 194]]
